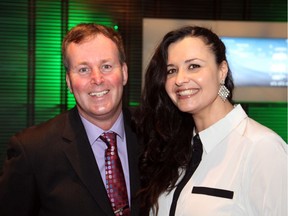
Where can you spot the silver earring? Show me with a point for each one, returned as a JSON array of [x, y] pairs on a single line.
[[223, 91]]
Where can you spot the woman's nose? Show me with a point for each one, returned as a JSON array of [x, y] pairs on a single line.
[[181, 78]]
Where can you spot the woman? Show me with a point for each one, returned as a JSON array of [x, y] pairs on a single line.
[[188, 91]]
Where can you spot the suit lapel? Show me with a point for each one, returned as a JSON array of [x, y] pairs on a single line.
[[133, 154], [81, 157]]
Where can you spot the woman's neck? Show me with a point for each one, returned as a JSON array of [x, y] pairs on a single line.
[[208, 117]]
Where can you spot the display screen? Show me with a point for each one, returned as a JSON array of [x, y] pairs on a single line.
[[257, 61]]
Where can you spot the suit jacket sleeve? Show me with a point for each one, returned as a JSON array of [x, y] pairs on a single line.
[[17, 183]]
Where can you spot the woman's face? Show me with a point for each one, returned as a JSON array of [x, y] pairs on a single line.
[[193, 76]]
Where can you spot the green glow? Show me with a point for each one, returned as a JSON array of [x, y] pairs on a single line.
[[48, 60], [274, 117], [133, 104]]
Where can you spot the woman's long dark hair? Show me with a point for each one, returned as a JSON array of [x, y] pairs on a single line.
[[166, 131]]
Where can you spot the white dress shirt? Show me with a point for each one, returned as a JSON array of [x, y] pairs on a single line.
[[241, 158]]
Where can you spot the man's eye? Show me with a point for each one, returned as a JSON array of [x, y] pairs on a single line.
[[106, 68], [84, 70], [171, 71]]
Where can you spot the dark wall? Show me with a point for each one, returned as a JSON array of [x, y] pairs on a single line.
[[256, 10]]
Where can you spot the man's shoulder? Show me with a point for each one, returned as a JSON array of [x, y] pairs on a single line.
[[49, 128]]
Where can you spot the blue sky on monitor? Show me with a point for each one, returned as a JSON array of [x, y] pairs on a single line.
[[257, 61]]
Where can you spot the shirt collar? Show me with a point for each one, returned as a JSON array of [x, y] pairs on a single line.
[[93, 132], [214, 134]]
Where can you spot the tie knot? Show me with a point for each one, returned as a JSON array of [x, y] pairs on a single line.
[[197, 150], [109, 138], [196, 142]]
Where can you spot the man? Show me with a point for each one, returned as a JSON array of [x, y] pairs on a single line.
[[58, 167]]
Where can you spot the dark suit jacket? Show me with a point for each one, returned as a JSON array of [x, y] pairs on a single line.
[[51, 170]]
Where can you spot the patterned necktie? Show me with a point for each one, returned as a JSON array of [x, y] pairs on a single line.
[[197, 150], [115, 181]]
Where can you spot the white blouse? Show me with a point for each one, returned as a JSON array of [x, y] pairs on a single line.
[[243, 172]]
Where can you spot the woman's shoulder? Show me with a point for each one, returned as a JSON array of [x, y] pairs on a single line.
[[263, 137]]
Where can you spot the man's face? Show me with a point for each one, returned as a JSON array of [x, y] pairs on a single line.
[[96, 78]]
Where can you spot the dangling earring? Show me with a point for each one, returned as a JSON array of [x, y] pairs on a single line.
[[223, 91]]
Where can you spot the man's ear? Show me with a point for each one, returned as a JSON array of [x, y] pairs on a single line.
[[125, 73], [68, 83]]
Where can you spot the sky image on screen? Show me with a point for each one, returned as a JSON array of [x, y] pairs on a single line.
[[257, 61]]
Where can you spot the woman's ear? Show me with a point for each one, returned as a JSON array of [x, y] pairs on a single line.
[[223, 71]]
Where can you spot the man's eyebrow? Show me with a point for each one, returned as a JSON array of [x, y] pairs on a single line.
[[82, 63]]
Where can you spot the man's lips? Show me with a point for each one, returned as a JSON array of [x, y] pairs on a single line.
[[99, 94]]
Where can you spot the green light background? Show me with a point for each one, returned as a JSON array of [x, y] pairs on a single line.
[[48, 60], [20, 108], [49, 69]]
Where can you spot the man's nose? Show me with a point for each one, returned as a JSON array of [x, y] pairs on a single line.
[[96, 76]]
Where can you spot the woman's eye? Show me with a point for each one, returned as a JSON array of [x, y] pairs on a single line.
[[192, 66], [171, 71]]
